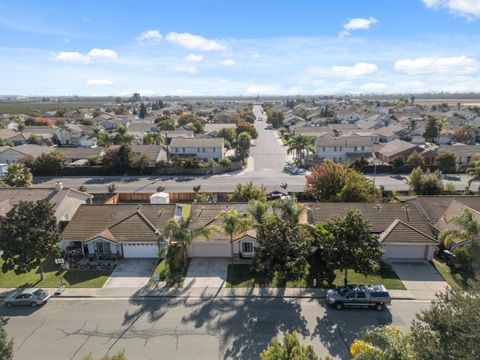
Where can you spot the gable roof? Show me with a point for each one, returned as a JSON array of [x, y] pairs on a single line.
[[396, 147], [125, 222], [380, 217], [401, 232], [197, 142], [454, 210]]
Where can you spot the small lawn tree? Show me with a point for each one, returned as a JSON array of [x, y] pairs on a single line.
[[6, 346], [290, 349], [351, 245], [446, 162], [415, 159], [28, 234], [18, 175]]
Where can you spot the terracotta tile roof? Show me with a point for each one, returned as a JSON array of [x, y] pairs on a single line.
[[380, 217], [125, 222], [400, 232]]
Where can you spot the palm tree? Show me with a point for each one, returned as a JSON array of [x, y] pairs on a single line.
[[467, 228], [258, 211], [153, 138], [234, 223], [412, 124], [473, 172], [301, 145], [288, 209], [182, 232]]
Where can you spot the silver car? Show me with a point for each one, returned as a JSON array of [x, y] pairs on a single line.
[[28, 297], [359, 296]]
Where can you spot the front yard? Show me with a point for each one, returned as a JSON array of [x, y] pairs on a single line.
[[455, 279], [71, 278], [243, 276]]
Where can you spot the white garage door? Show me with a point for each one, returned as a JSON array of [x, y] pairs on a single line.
[[210, 249], [405, 251], [140, 250]]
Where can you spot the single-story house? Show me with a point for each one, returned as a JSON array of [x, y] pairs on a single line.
[[397, 149], [127, 230], [16, 138], [10, 155], [75, 154], [66, 201], [402, 231]]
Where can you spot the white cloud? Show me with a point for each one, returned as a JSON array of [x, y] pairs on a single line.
[[194, 58], [71, 56], [228, 62], [150, 35], [359, 69], [102, 54], [194, 42], [99, 82], [357, 24], [262, 90], [438, 65], [466, 8], [76, 57], [190, 69]]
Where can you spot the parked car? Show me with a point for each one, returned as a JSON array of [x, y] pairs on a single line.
[[28, 297], [359, 296]]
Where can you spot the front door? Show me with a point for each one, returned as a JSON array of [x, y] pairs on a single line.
[[103, 248]]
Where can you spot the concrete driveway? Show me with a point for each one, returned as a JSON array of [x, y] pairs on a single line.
[[131, 273], [419, 276], [207, 272]]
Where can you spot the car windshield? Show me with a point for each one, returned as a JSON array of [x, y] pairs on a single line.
[[344, 291]]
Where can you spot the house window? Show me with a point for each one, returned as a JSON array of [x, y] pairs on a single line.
[[203, 150], [198, 149], [355, 148], [323, 149], [334, 149], [341, 148], [213, 149], [183, 149], [247, 247]]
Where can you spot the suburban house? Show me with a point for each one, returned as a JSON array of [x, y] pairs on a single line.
[[80, 156], [10, 155], [66, 201], [126, 230], [208, 215], [69, 135], [464, 154], [397, 149], [12, 136], [401, 229], [343, 148], [205, 149], [177, 134]]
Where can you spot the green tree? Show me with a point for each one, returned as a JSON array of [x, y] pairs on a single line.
[[6, 346], [351, 245], [431, 129], [465, 228], [425, 183], [326, 181], [465, 134], [473, 172], [258, 209], [153, 138], [143, 111], [165, 124], [234, 223], [34, 139], [244, 126], [51, 163], [357, 188], [181, 232], [118, 159], [229, 135], [288, 209], [242, 147], [18, 175], [382, 343], [290, 349], [118, 356], [415, 159], [449, 328], [248, 192], [446, 162], [28, 234], [301, 145], [276, 119]]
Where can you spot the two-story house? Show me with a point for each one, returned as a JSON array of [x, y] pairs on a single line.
[[343, 148], [69, 135], [205, 149]]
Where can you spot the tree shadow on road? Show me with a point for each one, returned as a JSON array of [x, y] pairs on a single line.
[[337, 329]]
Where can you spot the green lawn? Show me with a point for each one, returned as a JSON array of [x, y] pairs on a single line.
[[71, 278], [456, 280], [160, 270], [176, 281], [242, 276]]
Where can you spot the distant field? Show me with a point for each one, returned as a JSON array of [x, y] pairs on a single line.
[[10, 107]]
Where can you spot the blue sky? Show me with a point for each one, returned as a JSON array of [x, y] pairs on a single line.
[[238, 47]]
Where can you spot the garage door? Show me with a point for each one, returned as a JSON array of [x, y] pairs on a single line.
[[210, 249], [140, 250], [405, 251]]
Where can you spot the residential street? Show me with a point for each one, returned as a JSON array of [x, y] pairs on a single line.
[[188, 328]]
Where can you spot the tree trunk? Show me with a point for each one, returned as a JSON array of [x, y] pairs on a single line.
[[40, 266], [231, 249], [185, 257], [345, 277]]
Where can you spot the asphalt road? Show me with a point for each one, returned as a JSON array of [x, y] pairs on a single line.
[[188, 328]]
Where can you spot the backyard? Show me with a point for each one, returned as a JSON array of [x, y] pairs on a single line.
[[243, 276], [71, 278]]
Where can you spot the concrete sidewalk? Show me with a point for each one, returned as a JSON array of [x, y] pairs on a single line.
[[208, 293]]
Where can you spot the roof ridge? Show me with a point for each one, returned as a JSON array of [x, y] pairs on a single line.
[[398, 221]]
